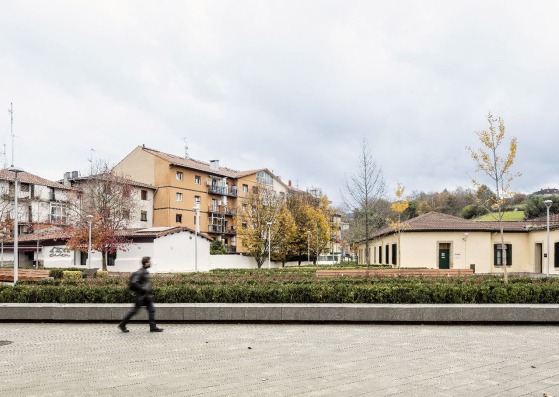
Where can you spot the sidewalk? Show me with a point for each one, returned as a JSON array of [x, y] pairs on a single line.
[[84, 359]]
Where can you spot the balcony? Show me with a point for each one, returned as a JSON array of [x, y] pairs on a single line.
[[222, 210], [223, 190], [220, 229]]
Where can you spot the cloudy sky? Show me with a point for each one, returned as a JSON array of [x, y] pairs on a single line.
[[293, 86]]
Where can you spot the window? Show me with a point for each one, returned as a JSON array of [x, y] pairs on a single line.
[[57, 213], [144, 194], [126, 214], [111, 259], [394, 254], [197, 179], [387, 250], [244, 225], [196, 199], [24, 187], [245, 188], [380, 254], [264, 178], [556, 255], [179, 175], [179, 196], [144, 216], [498, 254], [178, 218], [52, 197]]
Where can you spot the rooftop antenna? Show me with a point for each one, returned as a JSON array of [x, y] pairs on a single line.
[[11, 110], [91, 161], [185, 148]]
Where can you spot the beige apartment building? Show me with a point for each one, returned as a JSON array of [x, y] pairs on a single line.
[[182, 183], [436, 240]]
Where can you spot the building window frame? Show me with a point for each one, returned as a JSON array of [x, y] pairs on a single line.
[[178, 218], [179, 175], [197, 180], [178, 197], [143, 216], [498, 254], [143, 195]]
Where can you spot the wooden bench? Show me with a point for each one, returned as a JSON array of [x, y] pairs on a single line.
[[396, 273], [23, 274]]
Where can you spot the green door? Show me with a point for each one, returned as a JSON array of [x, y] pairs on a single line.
[[444, 258]]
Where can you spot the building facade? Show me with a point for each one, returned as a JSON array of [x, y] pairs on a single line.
[[183, 184], [436, 240]]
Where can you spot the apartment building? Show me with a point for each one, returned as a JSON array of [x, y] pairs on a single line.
[[142, 194], [183, 183], [40, 201]]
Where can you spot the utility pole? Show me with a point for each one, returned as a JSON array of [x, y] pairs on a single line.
[[11, 111]]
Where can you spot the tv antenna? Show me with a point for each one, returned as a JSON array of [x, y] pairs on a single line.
[[185, 148]]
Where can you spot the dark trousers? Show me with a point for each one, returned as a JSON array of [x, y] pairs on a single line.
[[141, 300]]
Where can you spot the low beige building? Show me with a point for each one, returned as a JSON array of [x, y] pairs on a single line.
[[436, 240]]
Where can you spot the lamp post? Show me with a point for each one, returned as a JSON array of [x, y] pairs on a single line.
[[16, 170], [465, 251], [196, 232], [89, 221], [2, 235], [269, 245], [309, 247], [547, 205]]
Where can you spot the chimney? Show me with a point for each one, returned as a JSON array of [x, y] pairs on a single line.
[[214, 165], [289, 183], [67, 176]]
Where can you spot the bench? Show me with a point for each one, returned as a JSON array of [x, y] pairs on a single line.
[[23, 274], [396, 273]]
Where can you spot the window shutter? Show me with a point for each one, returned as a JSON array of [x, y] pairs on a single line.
[[509, 254], [556, 255]]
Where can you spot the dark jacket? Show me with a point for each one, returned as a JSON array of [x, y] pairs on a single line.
[[142, 280]]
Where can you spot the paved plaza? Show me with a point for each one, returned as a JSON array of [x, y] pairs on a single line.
[[95, 359]]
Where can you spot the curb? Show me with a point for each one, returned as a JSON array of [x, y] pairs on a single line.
[[309, 313]]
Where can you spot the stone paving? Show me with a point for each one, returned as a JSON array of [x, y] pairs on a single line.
[[85, 359]]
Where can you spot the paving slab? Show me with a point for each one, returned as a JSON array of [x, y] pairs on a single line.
[[255, 359]]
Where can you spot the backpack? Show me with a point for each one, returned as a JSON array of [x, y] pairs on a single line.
[[133, 282]]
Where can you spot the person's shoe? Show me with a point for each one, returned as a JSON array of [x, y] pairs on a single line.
[[156, 329], [123, 328]]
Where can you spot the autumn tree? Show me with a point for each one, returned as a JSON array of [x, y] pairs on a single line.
[[283, 247], [107, 197], [398, 207], [494, 161], [362, 194], [259, 208]]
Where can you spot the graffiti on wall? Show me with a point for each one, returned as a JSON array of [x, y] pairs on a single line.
[[57, 251]]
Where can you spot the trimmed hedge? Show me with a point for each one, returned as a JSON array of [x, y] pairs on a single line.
[[291, 293]]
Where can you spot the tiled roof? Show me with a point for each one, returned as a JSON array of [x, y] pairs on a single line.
[[191, 163], [125, 180], [203, 166], [26, 177], [62, 234], [435, 221]]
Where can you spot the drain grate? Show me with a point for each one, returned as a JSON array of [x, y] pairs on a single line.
[[5, 342]]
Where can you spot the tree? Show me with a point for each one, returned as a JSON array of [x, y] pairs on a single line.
[[107, 196], [495, 163], [398, 207], [258, 208], [283, 242], [535, 207], [362, 194], [217, 248]]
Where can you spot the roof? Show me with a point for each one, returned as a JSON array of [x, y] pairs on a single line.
[[62, 234], [124, 179], [26, 177], [546, 191], [436, 221], [203, 166]]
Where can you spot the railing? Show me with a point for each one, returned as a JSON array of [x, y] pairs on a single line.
[[219, 229], [222, 210], [222, 190]]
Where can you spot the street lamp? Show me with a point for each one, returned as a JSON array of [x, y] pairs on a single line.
[[15, 170], [89, 220], [269, 246], [465, 252], [547, 205], [196, 232], [309, 247]]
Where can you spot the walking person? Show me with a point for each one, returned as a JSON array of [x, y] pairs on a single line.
[[140, 283]]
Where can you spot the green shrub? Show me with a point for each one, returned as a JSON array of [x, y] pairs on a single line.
[[102, 274], [71, 275]]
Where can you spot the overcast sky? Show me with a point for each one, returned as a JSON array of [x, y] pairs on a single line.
[[293, 86]]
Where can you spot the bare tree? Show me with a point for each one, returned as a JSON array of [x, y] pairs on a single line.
[[363, 192], [108, 197]]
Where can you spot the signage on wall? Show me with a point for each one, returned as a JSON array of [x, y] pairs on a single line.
[[57, 251]]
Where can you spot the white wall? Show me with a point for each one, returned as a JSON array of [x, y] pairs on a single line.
[[175, 253]]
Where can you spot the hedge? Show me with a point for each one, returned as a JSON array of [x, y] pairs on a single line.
[[290, 293]]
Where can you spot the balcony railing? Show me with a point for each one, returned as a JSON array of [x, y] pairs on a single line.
[[222, 210], [223, 190], [219, 229]]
